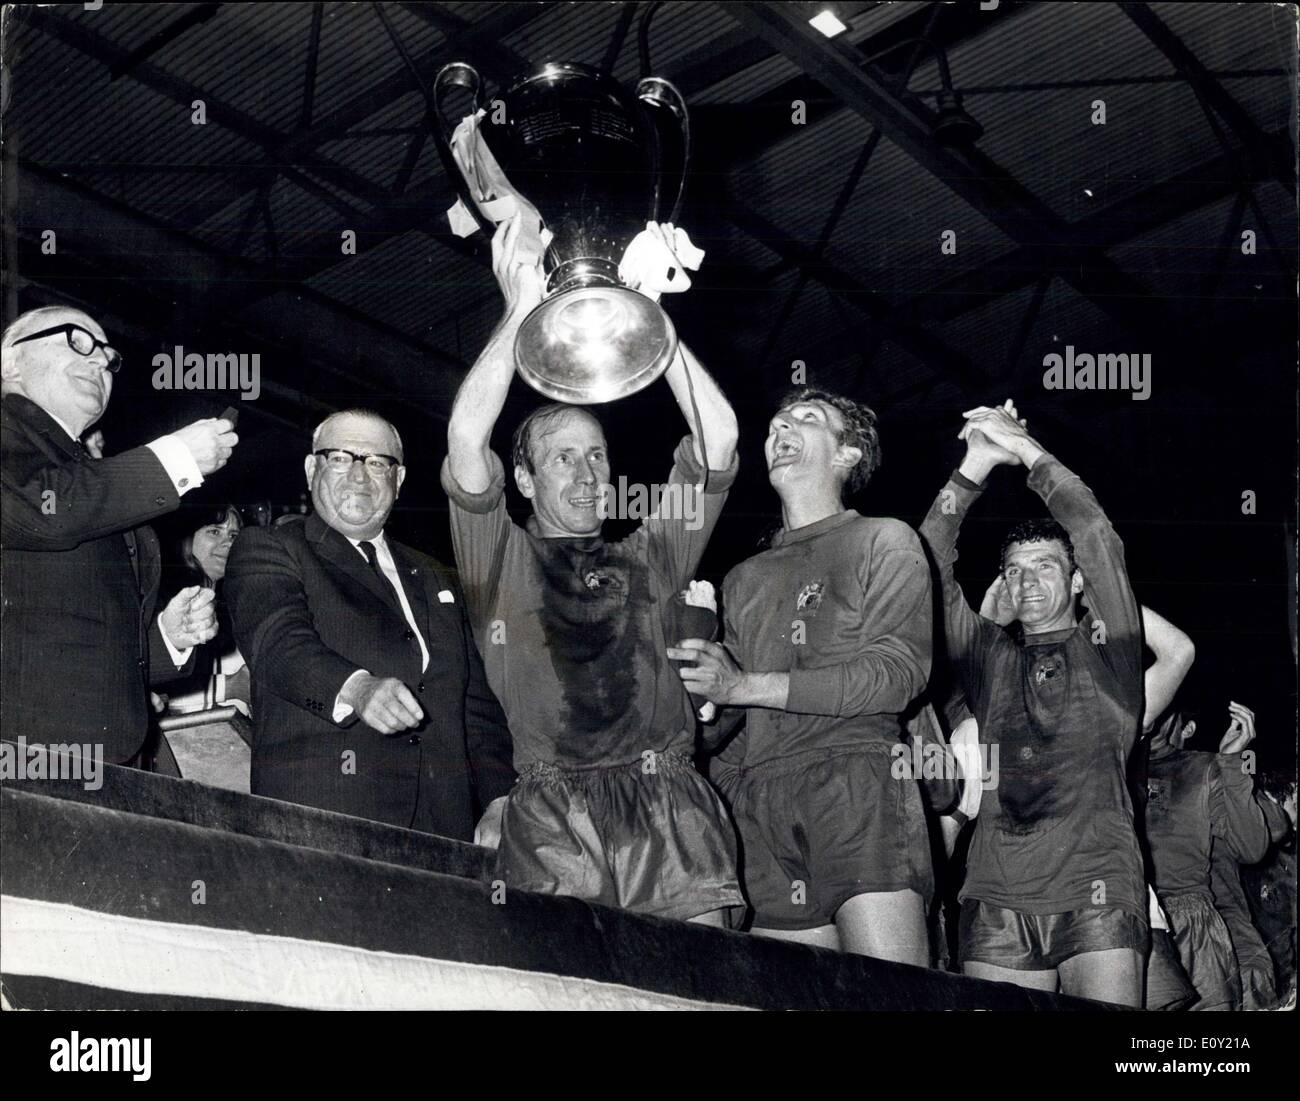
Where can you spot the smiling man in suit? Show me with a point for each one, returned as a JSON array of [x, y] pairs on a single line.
[[78, 569], [368, 693]]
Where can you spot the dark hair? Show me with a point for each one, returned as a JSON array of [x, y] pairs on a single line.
[[1037, 531], [859, 431], [196, 521], [521, 447]]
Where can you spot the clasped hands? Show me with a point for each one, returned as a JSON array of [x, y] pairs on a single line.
[[190, 618]]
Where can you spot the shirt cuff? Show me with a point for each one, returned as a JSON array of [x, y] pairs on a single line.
[[178, 462], [343, 710], [960, 479], [179, 657]]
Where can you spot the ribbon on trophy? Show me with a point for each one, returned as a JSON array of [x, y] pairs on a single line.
[[495, 196], [655, 262]]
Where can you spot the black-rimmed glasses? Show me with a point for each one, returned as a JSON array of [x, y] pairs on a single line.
[[81, 341], [337, 459]]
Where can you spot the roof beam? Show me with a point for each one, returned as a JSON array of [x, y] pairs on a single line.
[[1270, 152], [179, 268], [876, 306], [968, 173], [99, 48]]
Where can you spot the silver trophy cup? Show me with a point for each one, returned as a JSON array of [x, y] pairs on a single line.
[[594, 159]]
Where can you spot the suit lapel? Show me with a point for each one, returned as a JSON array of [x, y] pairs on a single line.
[[335, 549]]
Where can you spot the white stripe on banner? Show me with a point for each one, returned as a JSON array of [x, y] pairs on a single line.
[[58, 941]]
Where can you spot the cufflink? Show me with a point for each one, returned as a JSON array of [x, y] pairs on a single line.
[[445, 597]]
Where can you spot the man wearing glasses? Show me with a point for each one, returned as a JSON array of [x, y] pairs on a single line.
[[369, 697], [79, 572]]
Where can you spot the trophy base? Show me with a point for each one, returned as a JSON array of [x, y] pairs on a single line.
[[594, 344]]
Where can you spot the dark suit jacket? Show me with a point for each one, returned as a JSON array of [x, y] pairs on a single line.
[[78, 582], [308, 612]]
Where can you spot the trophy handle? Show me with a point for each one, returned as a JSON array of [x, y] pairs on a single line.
[[457, 74], [662, 94]]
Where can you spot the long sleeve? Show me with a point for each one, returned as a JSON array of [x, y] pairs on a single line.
[[50, 505], [162, 670], [1099, 552], [487, 737], [1234, 815], [965, 630], [679, 528], [893, 666], [274, 626]]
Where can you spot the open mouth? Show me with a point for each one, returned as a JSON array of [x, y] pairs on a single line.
[[785, 451], [583, 502]]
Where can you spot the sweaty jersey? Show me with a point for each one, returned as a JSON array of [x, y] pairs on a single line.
[[1061, 710], [572, 630]]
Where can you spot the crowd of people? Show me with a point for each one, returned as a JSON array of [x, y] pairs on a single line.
[[552, 698]]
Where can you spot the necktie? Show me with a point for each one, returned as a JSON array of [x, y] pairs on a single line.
[[372, 557]]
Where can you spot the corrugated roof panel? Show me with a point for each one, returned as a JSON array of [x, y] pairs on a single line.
[[128, 25], [891, 232], [989, 332], [677, 29], [750, 83], [878, 17], [251, 59], [356, 52], [1046, 139], [1234, 36], [549, 38], [421, 287], [1179, 260]]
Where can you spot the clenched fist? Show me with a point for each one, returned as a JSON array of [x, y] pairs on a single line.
[[210, 440], [190, 618], [384, 703]]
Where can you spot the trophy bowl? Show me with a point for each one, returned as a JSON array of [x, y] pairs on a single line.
[[592, 158]]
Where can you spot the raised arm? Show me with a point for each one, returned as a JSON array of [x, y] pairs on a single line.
[[1174, 656], [964, 629], [482, 395], [716, 415], [1098, 549]]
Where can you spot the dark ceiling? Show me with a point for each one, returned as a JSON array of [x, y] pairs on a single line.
[[822, 240]]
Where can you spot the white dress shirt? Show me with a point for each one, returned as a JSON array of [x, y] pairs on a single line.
[[384, 557]]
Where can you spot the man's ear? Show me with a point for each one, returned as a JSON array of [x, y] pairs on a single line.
[[401, 477], [309, 468], [9, 369], [524, 481], [1189, 728], [847, 456], [1076, 581]]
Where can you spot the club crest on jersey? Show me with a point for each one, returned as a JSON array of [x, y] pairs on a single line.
[[810, 597]]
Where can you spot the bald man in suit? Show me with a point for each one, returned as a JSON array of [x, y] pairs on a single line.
[[78, 569], [369, 696]]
